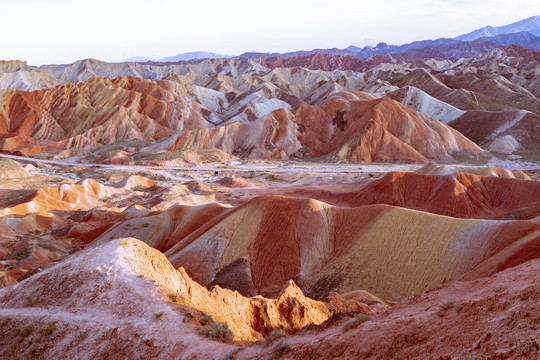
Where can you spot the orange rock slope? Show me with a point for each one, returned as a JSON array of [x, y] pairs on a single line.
[[96, 112], [360, 129], [377, 130]]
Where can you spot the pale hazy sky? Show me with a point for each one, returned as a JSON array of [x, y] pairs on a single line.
[[63, 31]]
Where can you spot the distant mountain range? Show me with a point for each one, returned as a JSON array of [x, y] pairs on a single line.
[[194, 55], [525, 33], [531, 25], [444, 45], [522, 38], [138, 59]]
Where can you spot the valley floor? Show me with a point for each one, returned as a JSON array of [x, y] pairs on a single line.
[[395, 260]]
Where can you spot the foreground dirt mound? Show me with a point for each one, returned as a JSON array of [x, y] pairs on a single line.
[[104, 304], [490, 318], [130, 294], [391, 252]]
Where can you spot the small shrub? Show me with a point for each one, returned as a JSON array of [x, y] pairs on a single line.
[[272, 177], [34, 301], [179, 297], [281, 350], [216, 330], [157, 314], [445, 307], [32, 351], [499, 289], [48, 328], [124, 243], [21, 253], [448, 305], [168, 196], [273, 336], [232, 354], [459, 308], [358, 319], [206, 319], [24, 331]]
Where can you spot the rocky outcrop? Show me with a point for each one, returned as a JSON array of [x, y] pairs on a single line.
[[499, 310]]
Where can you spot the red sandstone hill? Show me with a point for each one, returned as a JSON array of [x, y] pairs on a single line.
[[379, 129], [330, 62], [390, 252], [258, 246], [459, 195], [44, 226]]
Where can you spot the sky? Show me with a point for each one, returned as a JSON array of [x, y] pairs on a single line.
[[63, 31]]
